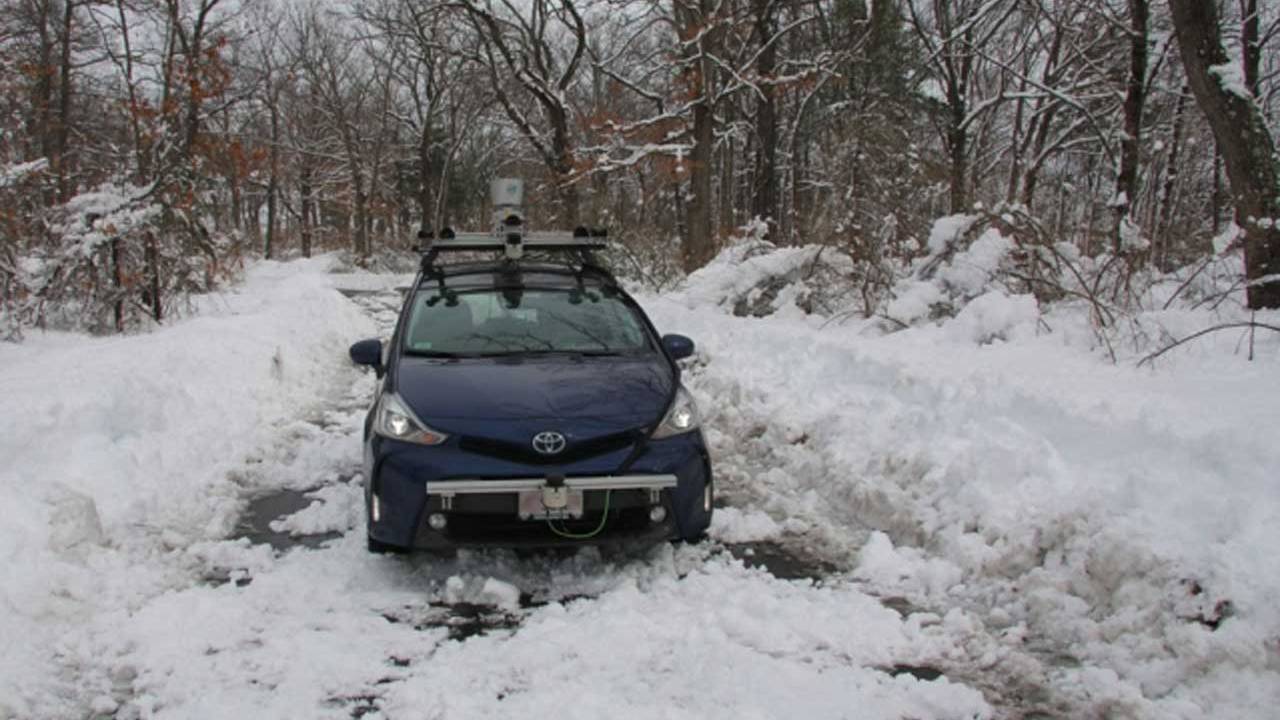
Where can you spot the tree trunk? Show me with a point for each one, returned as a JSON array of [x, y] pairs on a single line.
[[425, 204], [40, 123], [237, 204], [726, 223], [764, 204], [562, 165], [698, 247], [1165, 218], [62, 129], [117, 281], [273, 183], [362, 217], [1247, 148], [1251, 42], [1215, 201], [957, 149], [304, 189], [1015, 146], [1134, 101], [152, 258], [697, 242]]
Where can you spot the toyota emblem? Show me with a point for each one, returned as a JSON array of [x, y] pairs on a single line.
[[548, 442]]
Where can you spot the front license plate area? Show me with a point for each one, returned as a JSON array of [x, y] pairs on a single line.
[[550, 503]]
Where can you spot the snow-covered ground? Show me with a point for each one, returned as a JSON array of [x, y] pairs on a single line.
[[1010, 529]]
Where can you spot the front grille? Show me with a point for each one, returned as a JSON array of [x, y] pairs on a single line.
[[573, 452]]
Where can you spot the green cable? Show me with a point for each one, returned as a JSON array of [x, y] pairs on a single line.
[[584, 536]]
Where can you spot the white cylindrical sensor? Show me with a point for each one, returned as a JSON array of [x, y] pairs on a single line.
[[506, 192]]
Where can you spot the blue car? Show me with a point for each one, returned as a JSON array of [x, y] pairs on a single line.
[[529, 404]]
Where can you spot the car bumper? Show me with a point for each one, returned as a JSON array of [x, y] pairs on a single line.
[[409, 483]]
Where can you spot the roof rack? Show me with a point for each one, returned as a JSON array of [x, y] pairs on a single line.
[[510, 237]]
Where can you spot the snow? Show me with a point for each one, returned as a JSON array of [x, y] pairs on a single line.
[[970, 271], [335, 508], [1230, 77], [13, 174], [995, 315], [1054, 534], [931, 89], [947, 282], [947, 230], [118, 448], [731, 275], [1227, 238], [1131, 237], [1054, 497], [732, 525]]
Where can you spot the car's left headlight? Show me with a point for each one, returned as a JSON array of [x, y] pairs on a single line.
[[681, 417], [395, 420]]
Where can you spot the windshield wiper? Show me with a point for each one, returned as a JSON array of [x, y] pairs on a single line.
[[433, 353]]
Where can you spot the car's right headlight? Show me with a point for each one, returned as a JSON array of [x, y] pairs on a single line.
[[681, 417], [395, 420]]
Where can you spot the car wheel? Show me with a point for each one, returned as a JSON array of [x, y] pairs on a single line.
[[380, 548]]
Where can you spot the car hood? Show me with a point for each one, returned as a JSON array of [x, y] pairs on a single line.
[[614, 392]]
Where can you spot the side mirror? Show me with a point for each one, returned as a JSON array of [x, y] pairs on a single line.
[[678, 347], [368, 352]]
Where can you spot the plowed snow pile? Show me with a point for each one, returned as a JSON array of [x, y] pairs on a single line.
[[115, 452], [1118, 522]]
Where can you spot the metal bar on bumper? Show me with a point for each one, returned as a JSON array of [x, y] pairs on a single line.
[[449, 488]]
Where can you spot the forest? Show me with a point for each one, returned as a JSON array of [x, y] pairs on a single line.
[[149, 148]]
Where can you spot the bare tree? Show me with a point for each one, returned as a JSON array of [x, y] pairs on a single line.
[[954, 34], [520, 53]]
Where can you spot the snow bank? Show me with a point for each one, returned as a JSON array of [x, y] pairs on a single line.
[[755, 277], [119, 449], [1119, 516], [953, 276]]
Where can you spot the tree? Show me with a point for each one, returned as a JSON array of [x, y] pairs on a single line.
[[519, 51], [1248, 150], [955, 35]]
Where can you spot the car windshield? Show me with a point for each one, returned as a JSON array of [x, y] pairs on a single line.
[[510, 321]]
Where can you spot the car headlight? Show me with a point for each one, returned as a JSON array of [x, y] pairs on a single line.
[[680, 418], [395, 420]]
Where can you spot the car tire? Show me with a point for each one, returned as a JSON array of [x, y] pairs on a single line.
[[378, 547]]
